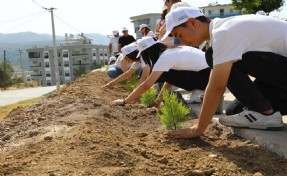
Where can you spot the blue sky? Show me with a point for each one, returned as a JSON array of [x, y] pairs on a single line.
[[87, 16]]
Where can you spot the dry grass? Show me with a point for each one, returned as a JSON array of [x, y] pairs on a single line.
[[5, 110]]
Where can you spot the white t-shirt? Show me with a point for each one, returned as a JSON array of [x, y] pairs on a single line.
[[234, 36], [115, 42], [134, 65], [181, 58], [150, 34], [118, 62]]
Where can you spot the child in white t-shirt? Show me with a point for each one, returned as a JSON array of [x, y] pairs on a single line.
[[129, 54], [241, 46], [183, 67]]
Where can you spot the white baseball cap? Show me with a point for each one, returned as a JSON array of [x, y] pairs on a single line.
[[112, 58], [129, 49], [124, 29], [179, 4], [115, 32], [260, 12], [143, 26], [145, 43], [178, 16]]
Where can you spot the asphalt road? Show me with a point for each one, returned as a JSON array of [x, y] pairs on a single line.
[[13, 96]]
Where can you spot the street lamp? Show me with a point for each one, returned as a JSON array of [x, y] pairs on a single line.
[[22, 68]]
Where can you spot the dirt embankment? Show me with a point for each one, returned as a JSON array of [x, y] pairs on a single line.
[[76, 131]]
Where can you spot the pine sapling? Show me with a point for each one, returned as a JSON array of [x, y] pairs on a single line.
[[132, 82], [149, 97], [173, 113]]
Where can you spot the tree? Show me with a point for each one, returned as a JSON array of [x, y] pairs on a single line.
[[8, 74], [149, 97], [174, 112], [81, 70], [252, 6], [247, 5], [270, 5]]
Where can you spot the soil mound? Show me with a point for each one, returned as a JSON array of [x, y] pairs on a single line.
[[76, 131]]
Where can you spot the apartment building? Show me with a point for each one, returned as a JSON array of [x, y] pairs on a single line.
[[215, 10], [76, 55]]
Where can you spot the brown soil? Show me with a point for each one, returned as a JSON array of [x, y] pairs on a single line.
[[76, 131]]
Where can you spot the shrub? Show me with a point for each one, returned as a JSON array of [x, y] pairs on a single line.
[[173, 113], [132, 83], [149, 97]]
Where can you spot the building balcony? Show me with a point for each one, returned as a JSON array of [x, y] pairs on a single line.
[[36, 76], [35, 67], [79, 54], [35, 59], [81, 64]]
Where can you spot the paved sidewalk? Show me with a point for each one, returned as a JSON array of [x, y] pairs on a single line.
[[274, 141], [13, 96]]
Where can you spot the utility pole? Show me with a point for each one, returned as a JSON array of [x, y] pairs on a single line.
[[4, 69], [22, 68], [56, 62]]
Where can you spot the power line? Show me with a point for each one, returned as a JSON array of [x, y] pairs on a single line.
[[70, 25], [40, 5], [23, 23], [67, 23], [20, 18]]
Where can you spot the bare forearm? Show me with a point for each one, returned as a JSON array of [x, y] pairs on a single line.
[[137, 93], [212, 98], [160, 95], [122, 77]]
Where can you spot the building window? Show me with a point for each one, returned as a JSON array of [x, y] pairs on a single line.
[[65, 54], [66, 64], [49, 83], [34, 54], [47, 64], [221, 12], [209, 12], [67, 74], [48, 74], [46, 55]]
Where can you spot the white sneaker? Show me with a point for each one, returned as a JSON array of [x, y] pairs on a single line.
[[252, 119], [194, 98]]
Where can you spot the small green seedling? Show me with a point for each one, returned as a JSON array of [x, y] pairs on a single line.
[[173, 113], [149, 97], [132, 83]]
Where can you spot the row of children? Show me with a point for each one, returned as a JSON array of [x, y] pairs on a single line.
[[241, 46]]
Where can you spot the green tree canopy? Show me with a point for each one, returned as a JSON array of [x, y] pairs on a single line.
[[270, 5], [9, 72], [252, 6]]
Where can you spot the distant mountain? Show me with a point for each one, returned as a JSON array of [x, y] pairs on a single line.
[[12, 43], [27, 37]]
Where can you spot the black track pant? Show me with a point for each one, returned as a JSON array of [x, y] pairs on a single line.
[[188, 80], [268, 90]]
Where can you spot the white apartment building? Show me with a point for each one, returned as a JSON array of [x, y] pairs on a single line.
[[215, 10], [75, 55]]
